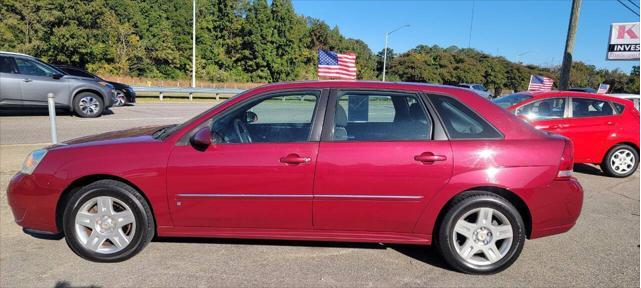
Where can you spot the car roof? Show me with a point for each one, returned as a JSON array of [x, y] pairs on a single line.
[[625, 96], [555, 93], [15, 54], [365, 84]]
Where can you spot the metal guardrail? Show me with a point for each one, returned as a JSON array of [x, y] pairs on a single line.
[[191, 91]]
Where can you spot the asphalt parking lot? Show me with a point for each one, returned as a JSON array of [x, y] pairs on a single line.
[[602, 250]]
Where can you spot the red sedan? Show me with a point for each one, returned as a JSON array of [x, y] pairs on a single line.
[[334, 161], [604, 129]]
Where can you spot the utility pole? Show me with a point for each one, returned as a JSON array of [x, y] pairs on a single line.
[[193, 47], [385, 51], [569, 46]]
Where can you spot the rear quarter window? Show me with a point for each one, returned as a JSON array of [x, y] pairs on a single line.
[[462, 122]]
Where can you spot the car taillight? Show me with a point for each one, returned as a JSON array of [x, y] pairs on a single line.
[[567, 161]]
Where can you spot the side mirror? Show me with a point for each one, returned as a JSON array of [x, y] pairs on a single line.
[[57, 76], [201, 139], [250, 117]]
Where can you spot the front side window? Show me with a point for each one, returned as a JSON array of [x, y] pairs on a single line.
[[363, 116], [461, 122], [282, 118], [33, 68], [511, 100], [585, 107], [551, 108]]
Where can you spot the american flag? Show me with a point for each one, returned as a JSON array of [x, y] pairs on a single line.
[[336, 66], [540, 83], [603, 88]]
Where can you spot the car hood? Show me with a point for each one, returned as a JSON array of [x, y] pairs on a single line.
[[123, 136]]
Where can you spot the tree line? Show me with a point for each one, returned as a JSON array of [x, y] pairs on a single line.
[[243, 41]]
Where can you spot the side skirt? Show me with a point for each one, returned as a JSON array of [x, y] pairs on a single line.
[[304, 235]]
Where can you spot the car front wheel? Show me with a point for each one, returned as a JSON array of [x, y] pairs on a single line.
[[481, 233], [121, 100], [621, 161], [107, 221], [88, 105]]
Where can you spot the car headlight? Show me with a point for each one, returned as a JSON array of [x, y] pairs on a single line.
[[32, 161]]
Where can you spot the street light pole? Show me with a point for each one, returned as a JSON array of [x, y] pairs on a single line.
[[193, 47], [385, 51]]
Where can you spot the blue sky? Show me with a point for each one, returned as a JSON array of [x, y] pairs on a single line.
[[529, 31]]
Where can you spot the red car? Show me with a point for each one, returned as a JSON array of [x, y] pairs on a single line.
[[604, 129], [329, 161]]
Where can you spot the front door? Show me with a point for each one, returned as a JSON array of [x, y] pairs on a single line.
[[590, 123], [259, 173], [377, 165], [38, 81]]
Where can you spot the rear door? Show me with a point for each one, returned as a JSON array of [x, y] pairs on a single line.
[[10, 82], [37, 82], [378, 163]]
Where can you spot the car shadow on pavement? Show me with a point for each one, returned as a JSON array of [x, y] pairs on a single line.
[[41, 112], [422, 253], [65, 284], [588, 169]]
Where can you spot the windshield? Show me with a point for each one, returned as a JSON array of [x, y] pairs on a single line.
[[511, 100]]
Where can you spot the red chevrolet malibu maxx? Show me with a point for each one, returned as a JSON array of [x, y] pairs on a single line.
[[335, 161], [604, 129]]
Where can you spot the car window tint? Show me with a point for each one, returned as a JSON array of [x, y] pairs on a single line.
[[550, 108], [618, 107], [461, 122], [28, 67], [586, 107], [378, 117], [76, 72], [511, 100], [282, 118], [7, 65]]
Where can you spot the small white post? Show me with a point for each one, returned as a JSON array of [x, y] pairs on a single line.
[[51, 100], [191, 96], [160, 95]]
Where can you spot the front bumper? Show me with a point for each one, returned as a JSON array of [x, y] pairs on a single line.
[[33, 205]]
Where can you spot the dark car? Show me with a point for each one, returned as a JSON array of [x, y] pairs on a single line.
[[124, 93]]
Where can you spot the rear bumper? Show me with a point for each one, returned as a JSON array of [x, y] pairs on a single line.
[[556, 207]]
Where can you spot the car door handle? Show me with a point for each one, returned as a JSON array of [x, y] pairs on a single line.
[[27, 80], [429, 157], [295, 159], [609, 123]]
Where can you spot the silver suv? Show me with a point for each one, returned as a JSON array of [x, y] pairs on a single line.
[[26, 81]]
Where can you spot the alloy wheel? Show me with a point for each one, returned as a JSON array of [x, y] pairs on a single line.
[[482, 236], [105, 225], [89, 105]]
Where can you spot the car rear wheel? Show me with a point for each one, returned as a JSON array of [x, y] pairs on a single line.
[[481, 233], [107, 221], [88, 105], [621, 161]]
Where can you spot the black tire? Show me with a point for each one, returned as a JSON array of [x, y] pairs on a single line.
[[144, 222], [610, 170], [93, 99], [444, 240]]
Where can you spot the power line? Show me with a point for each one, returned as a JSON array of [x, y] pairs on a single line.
[[626, 6], [635, 4], [469, 40]]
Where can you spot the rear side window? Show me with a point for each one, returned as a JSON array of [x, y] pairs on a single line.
[[586, 107], [461, 122], [618, 107], [7, 65], [363, 116]]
